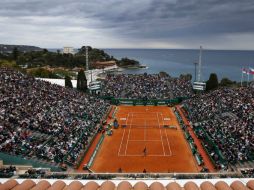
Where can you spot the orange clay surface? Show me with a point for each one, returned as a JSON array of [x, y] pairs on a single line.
[[166, 149]]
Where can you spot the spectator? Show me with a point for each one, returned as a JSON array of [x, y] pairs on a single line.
[[38, 119], [151, 86], [225, 116]]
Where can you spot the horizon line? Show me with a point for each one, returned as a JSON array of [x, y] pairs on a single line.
[[161, 48], [150, 48]]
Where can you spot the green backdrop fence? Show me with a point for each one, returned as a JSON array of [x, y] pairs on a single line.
[[155, 102], [19, 160]]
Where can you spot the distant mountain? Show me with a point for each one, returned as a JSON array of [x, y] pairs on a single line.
[[23, 48]]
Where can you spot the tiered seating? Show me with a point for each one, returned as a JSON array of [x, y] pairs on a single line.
[[45, 121], [224, 120], [189, 139], [151, 86]]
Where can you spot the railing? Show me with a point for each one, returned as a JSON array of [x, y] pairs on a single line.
[[212, 144], [21, 160], [208, 140], [90, 163], [189, 139], [83, 154], [136, 176]]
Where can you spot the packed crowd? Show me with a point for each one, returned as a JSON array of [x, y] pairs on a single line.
[[41, 120], [226, 116], [151, 86], [34, 173], [7, 172], [248, 173]]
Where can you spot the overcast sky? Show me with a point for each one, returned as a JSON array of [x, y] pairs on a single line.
[[215, 24]]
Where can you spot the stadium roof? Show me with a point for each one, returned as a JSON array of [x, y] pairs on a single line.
[[194, 184]]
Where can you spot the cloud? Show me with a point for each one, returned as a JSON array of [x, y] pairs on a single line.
[[119, 23]]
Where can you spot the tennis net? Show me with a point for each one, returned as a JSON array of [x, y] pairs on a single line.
[[140, 126]]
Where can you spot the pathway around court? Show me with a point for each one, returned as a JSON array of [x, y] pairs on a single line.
[[89, 153], [94, 143], [208, 163]]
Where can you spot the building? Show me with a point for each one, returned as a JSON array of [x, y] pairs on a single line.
[[170, 184], [68, 50], [103, 64], [95, 87]]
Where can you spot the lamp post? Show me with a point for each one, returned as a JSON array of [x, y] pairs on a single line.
[[87, 65], [195, 63]]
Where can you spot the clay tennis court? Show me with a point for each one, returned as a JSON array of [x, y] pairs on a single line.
[[143, 142]]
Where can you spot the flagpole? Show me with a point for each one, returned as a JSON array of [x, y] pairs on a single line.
[[252, 72], [248, 78], [242, 77]]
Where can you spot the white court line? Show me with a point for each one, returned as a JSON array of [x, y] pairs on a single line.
[[132, 155], [128, 139], [145, 131], [126, 121], [123, 136], [144, 127], [121, 143], [149, 121], [169, 147], [143, 118], [144, 112], [145, 140], [161, 135], [128, 135]]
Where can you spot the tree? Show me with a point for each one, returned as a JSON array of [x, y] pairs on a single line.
[[127, 62], [82, 50], [186, 76], [21, 60], [15, 53], [212, 83], [81, 81], [226, 82], [8, 64], [163, 74], [68, 82], [45, 51], [42, 73]]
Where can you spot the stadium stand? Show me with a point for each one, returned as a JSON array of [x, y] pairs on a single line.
[[189, 139], [151, 86], [44, 121], [248, 172], [7, 172], [48, 122], [224, 119]]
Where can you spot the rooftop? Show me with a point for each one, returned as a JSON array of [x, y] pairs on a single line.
[[195, 184]]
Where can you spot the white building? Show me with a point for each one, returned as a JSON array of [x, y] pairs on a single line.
[[67, 50]]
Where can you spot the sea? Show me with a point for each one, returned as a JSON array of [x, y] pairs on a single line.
[[225, 63]]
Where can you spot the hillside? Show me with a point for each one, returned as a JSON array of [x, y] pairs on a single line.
[[34, 57], [22, 48]]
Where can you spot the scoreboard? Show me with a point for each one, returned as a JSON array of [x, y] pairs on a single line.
[[199, 86]]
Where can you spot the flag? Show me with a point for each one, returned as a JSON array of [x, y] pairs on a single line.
[[245, 71], [251, 71]]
